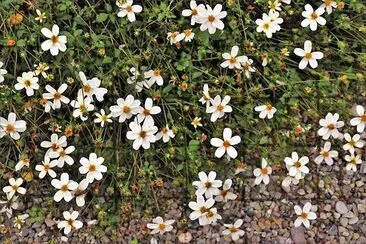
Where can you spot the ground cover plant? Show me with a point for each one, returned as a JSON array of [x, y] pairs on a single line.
[[182, 121]]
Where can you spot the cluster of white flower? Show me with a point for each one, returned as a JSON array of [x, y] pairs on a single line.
[[242, 62], [209, 18], [329, 129], [12, 126]]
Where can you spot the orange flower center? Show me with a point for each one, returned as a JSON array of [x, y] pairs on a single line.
[[314, 16], [208, 184], [325, 154], [27, 83], [161, 227], [46, 167], [187, 32], [146, 112], [233, 229], [232, 60], [210, 214], [269, 107], [15, 187], [87, 88], [220, 108], [331, 126], [9, 128], [304, 215], [129, 8], [211, 18], [54, 39], [157, 72], [203, 210], [226, 144], [308, 56], [363, 118], [142, 134], [62, 153], [264, 171], [70, 222], [92, 168], [64, 188], [194, 12], [57, 96], [55, 147], [297, 164], [164, 130], [126, 109], [327, 2]]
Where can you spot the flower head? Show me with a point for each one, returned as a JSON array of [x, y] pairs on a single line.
[[70, 223], [93, 167], [46, 168], [210, 19], [56, 96], [330, 126], [15, 187], [262, 174], [2, 72], [65, 186], [102, 118], [308, 57], [200, 209], [233, 230], [225, 194], [353, 160], [55, 43], [142, 134], [313, 18], [54, 146], [359, 121], [128, 9], [207, 184], [27, 82], [125, 109], [218, 108], [297, 167], [304, 215], [160, 226], [226, 145], [266, 111], [326, 154], [11, 126], [193, 11]]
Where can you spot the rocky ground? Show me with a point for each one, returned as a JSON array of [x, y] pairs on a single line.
[[339, 198]]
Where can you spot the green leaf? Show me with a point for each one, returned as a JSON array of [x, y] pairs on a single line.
[[102, 17]]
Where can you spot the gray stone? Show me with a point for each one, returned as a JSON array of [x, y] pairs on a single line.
[[341, 207], [361, 208], [344, 222], [298, 235]]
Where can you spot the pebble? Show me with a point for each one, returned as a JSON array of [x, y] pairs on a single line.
[[361, 208], [327, 208], [341, 207], [298, 235], [353, 221], [344, 222]]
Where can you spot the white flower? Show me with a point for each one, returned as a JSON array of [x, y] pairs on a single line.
[[14, 187], [312, 18], [246, 66], [218, 108], [91, 88], [160, 226], [80, 192], [12, 126], [55, 43], [82, 107], [102, 118], [154, 76], [207, 184], [326, 154], [196, 122], [125, 109], [200, 209], [166, 134], [231, 59], [21, 163], [266, 111], [352, 142], [56, 95], [212, 216], [286, 1], [233, 230], [65, 187], [193, 11], [188, 35], [225, 194], [40, 16], [308, 56], [328, 5], [210, 19], [286, 182], [297, 166], [205, 99], [46, 168], [70, 223], [175, 37], [360, 121], [226, 145], [19, 220], [46, 104], [304, 215], [274, 6], [352, 161], [54, 145], [27, 82], [128, 9], [269, 24], [41, 68], [64, 156], [262, 174], [133, 79], [145, 113], [10, 204], [2, 72], [93, 167], [330, 126], [142, 135]]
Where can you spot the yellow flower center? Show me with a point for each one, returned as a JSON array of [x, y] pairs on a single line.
[[325, 154], [126, 109], [264, 171], [269, 107], [220, 108], [233, 229], [57, 96], [226, 144], [308, 55], [304, 215], [64, 188], [194, 12], [87, 88], [54, 39], [203, 210], [211, 18], [314, 16], [297, 164], [9, 128], [92, 168], [232, 60], [331, 126], [161, 227], [208, 184], [363, 118], [157, 72], [129, 8], [27, 83]]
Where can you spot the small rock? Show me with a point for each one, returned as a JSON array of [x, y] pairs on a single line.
[[298, 235], [344, 222], [301, 192], [327, 208], [361, 208], [341, 207], [353, 221], [359, 183], [49, 222]]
